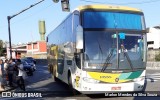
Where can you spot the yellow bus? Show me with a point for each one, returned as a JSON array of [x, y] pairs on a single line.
[[99, 48]]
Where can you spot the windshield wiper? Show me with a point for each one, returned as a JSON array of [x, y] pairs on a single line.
[[100, 47], [107, 60], [126, 54]]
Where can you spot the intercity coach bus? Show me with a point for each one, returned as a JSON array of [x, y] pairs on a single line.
[[99, 48]]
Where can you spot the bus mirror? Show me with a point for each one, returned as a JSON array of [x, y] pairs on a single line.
[[79, 37]]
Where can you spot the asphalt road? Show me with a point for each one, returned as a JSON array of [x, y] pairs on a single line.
[[42, 82]]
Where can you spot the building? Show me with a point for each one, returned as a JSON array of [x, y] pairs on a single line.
[[18, 51], [153, 42], [153, 38], [37, 49], [33, 49]]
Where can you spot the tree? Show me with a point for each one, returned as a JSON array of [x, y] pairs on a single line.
[[1, 48], [157, 57]]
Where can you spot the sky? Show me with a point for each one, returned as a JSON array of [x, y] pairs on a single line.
[[24, 27]]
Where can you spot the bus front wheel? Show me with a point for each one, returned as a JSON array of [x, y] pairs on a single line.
[[55, 79], [73, 91]]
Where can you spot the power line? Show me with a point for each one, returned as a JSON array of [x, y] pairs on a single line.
[[31, 15], [143, 2], [27, 17]]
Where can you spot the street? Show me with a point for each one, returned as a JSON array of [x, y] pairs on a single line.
[[41, 81]]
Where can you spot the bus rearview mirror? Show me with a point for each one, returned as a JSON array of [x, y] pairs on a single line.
[[79, 37]]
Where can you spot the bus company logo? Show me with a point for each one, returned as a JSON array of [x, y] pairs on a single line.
[[6, 94], [105, 77], [117, 79]]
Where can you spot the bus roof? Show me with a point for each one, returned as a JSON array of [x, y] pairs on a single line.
[[108, 7]]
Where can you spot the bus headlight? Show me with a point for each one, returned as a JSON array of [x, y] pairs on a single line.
[[90, 80], [138, 79]]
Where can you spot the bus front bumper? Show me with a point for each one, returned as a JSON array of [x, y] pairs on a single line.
[[92, 88]]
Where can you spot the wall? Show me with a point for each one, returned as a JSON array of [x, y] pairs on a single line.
[[153, 65], [42, 46], [151, 54], [154, 36]]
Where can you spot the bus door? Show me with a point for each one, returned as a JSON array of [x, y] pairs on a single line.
[[54, 50], [60, 60]]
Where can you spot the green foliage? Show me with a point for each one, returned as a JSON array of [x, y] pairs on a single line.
[[157, 57], [1, 48]]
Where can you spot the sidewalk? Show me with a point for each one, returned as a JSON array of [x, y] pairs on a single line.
[[7, 88]]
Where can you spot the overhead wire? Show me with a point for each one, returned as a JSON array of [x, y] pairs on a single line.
[[29, 16]]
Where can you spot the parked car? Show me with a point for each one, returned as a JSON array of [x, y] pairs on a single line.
[[31, 61], [27, 67]]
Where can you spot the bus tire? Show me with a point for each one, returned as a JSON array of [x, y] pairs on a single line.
[[73, 91], [56, 79]]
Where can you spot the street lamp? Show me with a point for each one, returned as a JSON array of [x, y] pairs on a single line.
[[9, 32], [10, 17]]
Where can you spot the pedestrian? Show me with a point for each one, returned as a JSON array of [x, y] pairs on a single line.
[[10, 71], [1, 75], [5, 65], [6, 72], [21, 74]]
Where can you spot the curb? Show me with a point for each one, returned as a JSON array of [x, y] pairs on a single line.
[[9, 89]]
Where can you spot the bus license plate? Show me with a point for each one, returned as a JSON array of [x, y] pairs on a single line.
[[116, 88]]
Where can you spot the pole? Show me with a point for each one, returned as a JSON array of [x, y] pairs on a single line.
[[9, 33], [10, 17]]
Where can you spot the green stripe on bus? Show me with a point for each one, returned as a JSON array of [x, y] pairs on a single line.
[[135, 75], [124, 75]]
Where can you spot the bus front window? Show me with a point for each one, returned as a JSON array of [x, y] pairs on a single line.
[[104, 50], [101, 51], [131, 52], [99, 46]]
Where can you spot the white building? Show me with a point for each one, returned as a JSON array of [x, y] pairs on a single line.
[[153, 38]]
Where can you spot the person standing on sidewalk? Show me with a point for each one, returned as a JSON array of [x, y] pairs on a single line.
[[1, 76], [10, 71], [6, 81], [21, 74]]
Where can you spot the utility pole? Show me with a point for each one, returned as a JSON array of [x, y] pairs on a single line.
[[9, 30]]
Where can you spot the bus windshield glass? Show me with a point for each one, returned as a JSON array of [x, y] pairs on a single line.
[[101, 50], [99, 45], [120, 47], [131, 50]]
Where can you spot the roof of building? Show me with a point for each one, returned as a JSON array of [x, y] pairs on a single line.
[[36, 42]]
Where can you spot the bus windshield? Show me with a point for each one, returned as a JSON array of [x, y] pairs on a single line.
[[101, 50], [104, 49]]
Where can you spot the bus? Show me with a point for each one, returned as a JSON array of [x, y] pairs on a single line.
[[99, 48]]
